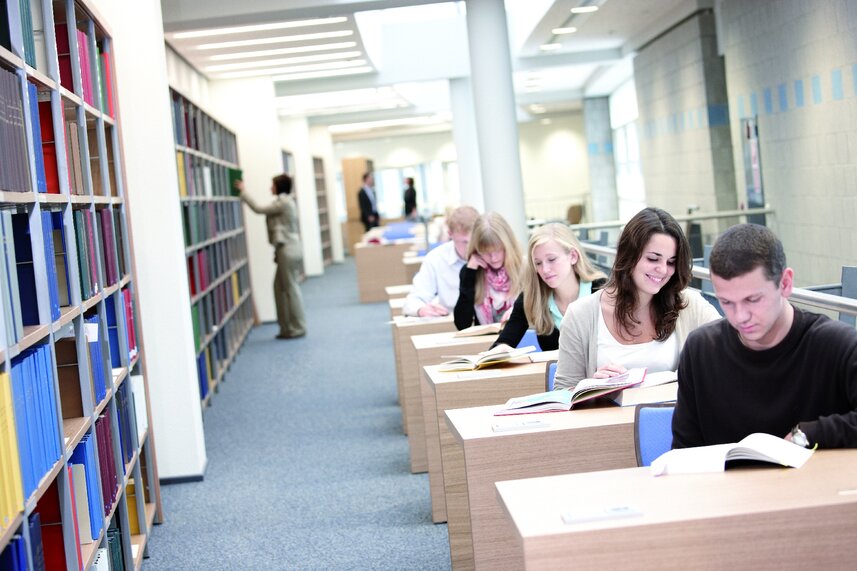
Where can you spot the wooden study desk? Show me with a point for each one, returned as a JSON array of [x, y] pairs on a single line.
[[396, 304], [401, 290], [406, 364], [430, 349], [379, 266], [744, 518], [410, 266], [441, 391], [586, 439]]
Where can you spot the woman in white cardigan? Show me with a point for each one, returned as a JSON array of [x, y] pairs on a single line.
[[643, 315]]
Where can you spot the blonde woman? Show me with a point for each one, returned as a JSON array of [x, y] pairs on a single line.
[[488, 282], [555, 275]]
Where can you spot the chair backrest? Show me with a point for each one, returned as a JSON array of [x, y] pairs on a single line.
[[550, 372], [530, 338], [653, 433]]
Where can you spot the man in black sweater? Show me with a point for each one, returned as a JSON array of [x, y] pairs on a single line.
[[768, 366]]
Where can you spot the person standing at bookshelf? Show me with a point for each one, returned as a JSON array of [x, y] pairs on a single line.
[[409, 197], [368, 203], [556, 274], [644, 313], [281, 217], [435, 286], [769, 366], [488, 282]]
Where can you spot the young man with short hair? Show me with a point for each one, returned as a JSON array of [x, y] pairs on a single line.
[[768, 366]]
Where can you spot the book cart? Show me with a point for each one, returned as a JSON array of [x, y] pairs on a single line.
[[78, 477]]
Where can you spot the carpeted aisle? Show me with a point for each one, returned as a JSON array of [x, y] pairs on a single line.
[[307, 464]]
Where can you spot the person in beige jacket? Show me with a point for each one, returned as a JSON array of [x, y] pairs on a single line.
[[645, 312], [281, 218]]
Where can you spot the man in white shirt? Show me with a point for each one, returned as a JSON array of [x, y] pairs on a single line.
[[435, 287]]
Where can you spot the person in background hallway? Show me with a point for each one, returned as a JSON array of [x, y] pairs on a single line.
[[435, 287], [410, 199], [281, 217], [769, 366], [555, 275], [368, 204], [644, 313], [488, 283]]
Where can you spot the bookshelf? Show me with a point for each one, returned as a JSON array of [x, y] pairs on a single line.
[[215, 244], [78, 471], [323, 214]]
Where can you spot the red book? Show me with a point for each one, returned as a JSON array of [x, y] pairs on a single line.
[[74, 515], [64, 56], [129, 320], [191, 276], [53, 545], [49, 150]]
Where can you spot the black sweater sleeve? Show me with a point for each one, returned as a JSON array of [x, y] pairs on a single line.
[[464, 313], [515, 328]]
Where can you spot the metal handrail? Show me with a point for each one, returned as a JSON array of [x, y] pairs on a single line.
[[799, 295], [679, 218]]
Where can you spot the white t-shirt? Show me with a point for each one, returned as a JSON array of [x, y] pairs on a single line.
[[654, 355]]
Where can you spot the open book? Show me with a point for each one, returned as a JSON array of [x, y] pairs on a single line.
[[657, 387], [757, 446], [565, 399], [476, 330], [476, 362]]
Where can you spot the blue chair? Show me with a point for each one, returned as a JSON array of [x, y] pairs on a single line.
[[550, 373], [653, 432], [530, 338]]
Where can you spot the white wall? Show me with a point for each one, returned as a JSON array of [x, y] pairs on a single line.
[[156, 226], [248, 105], [554, 160]]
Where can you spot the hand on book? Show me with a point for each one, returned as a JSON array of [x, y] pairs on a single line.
[[239, 185], [501, 348], [432, 310], [609, 370]]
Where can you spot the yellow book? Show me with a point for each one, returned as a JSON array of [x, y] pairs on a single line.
[[180, 165], [131, 501], [12, 492], [236, 293]]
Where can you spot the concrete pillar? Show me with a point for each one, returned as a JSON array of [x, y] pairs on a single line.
[[495, 112], [602, 168], [466, 142]]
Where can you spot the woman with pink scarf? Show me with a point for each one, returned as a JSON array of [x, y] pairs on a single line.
[[488, 283]]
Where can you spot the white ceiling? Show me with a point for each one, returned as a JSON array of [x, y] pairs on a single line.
[[393, 57]]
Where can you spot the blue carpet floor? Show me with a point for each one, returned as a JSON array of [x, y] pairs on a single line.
[[307, 463]]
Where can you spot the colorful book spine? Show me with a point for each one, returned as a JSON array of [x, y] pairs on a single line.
[[36, 131], [50, 264]]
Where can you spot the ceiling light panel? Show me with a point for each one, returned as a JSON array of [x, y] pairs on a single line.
[[284, 51], [284, 61], [276, 40], [292, 69], [322, 74], [213, 32]]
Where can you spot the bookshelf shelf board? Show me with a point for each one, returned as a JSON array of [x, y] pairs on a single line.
[[67, 313], [116, 200], [66, 94], [99, 408], [125, 280], [129, 466], [7, 532], [225, 236], [110, 290], [98, 199], [45, 198], [119, 375], [222, 278], [88, 551], [150, 516], [90, 303], [90, 110], [40, 78], [188, 199], [138, 546], [73, 430], [108, 119], [18, 197], [32, 335], [9, 57], [206, 156], [80, 199], [43, 486]]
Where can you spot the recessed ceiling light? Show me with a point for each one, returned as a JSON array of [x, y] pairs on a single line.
[[537, 108], [550, 47], [284, 51], [320, 74], [560, 31], [545, 121], [283, 61], [584, 9], [259, 27], [277, 40], [292, 69]]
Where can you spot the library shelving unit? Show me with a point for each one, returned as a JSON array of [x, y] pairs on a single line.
[[215, 241], [353, 169], [323, 215], [78, 474]]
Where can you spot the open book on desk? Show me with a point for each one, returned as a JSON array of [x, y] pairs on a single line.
[[477, 330], [758, 446], [657, 387], [482, 360], [564, 399]]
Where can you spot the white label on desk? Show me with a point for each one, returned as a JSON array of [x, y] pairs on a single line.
[[610, 512], [519, 424]]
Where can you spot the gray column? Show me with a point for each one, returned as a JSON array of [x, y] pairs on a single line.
[[466, 143], [495, 111], [602, 168]]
